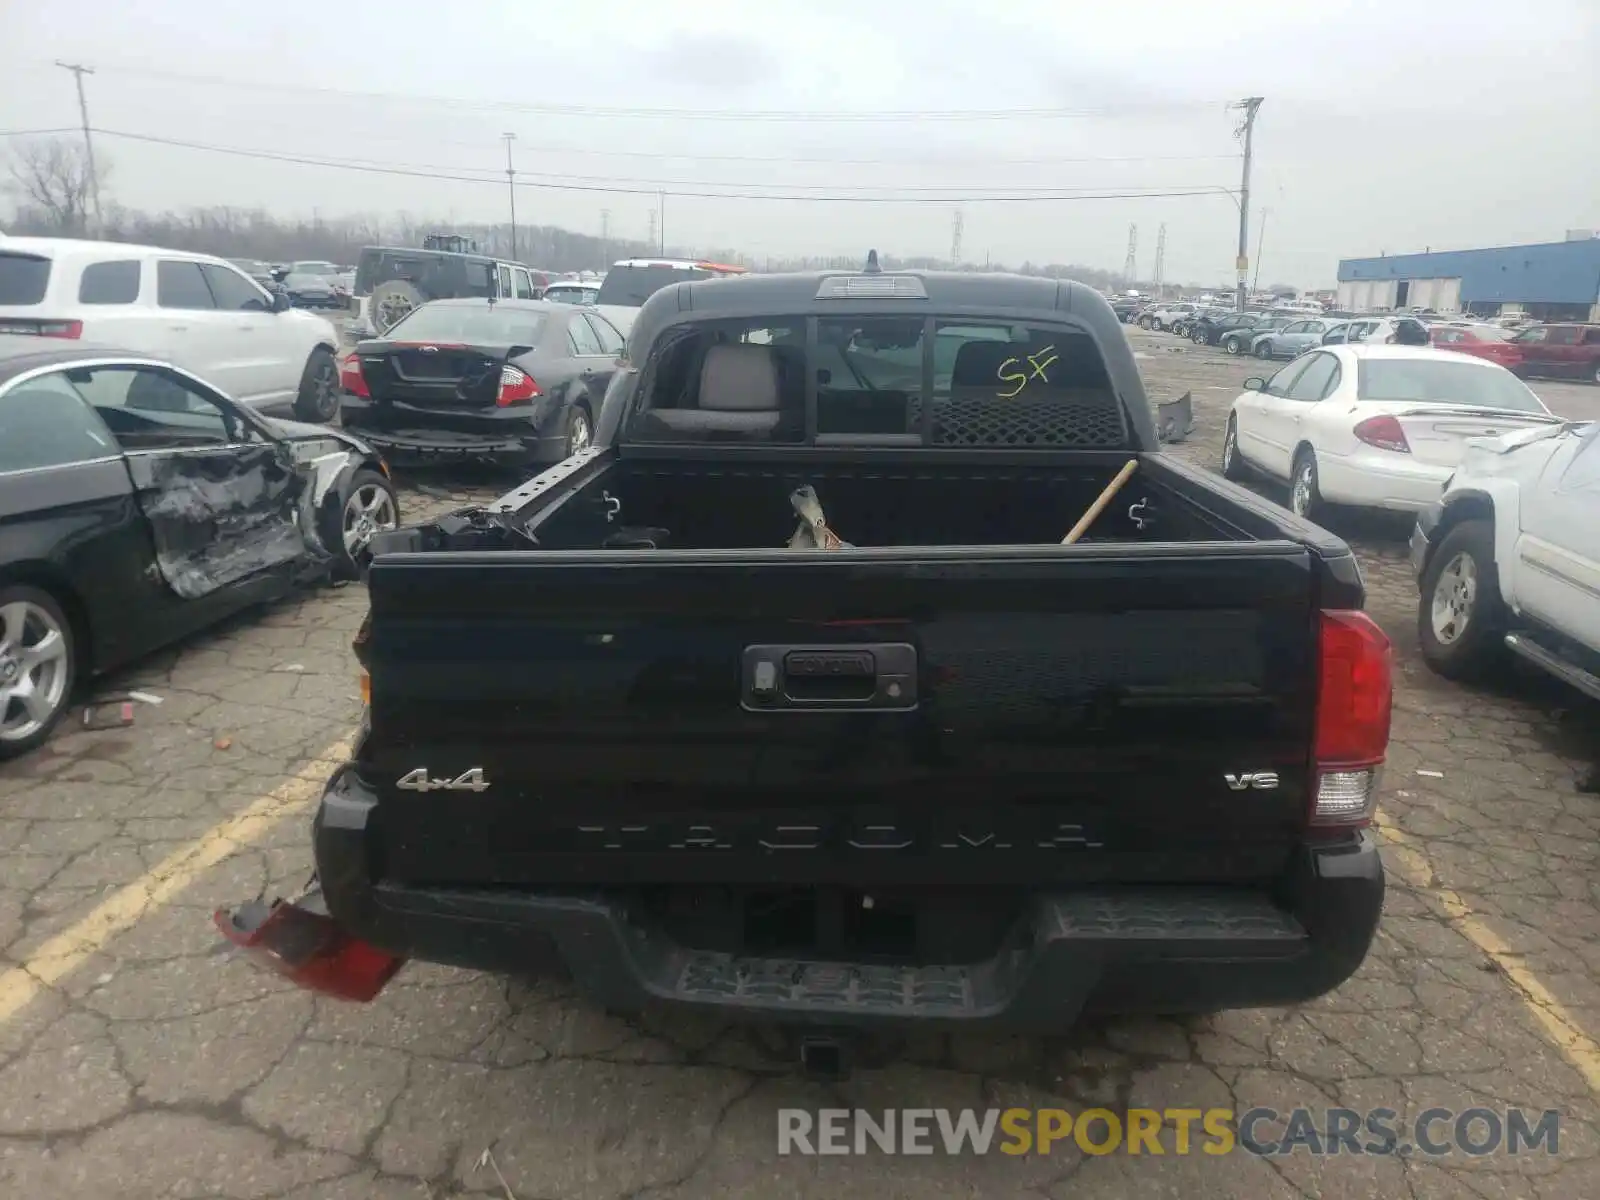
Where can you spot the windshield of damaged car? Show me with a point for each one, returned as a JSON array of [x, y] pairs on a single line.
[[980, 383], [469, 323], [1474, 384]]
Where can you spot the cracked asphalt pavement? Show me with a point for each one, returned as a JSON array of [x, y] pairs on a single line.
[[152, 1062]]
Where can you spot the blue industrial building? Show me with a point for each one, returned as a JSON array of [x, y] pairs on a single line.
[[1551, 281]]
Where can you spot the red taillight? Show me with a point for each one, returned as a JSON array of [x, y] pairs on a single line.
[[1354, 700], [309, 949], [516, 387], [1383, 432], [38, 328], [350, 377]]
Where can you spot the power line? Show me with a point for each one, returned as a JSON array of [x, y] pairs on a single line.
[[626, 186], [782, 159], [699, 114], [877, 161], [15, 133]]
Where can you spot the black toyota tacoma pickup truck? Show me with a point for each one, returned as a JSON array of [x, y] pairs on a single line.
[[787, 699]]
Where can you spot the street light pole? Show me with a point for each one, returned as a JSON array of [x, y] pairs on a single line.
[[78, 72], [511, 192], [1250, 105]]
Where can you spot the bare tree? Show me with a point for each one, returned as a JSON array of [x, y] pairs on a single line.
[[51, 176]]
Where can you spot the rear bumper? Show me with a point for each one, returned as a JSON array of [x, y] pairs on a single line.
[[1153, 949], [1371, 481], [512, 442]]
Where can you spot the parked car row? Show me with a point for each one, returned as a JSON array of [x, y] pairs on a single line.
[[1506, 545], [1566, 350]]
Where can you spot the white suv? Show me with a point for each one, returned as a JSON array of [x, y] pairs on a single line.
[[199, 312], [1163, 315]]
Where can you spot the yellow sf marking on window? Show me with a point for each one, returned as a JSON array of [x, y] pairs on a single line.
[[1023, 378]]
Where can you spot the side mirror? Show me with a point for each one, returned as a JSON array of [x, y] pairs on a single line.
[[281, 301], [1255, 384]]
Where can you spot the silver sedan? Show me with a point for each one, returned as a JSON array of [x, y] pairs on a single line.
[[1292, 339]]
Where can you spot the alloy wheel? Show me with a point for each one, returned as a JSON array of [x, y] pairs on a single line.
[[581, 436], [1455, 592], [326, 383], [1301, 490], [369, 511], [33, 670]]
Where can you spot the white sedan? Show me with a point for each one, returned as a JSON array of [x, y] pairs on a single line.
[[1372, 426]]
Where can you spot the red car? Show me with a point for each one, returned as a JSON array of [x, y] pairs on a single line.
[[1480, 341]]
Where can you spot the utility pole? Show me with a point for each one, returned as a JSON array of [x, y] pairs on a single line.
[[511, 192], [956, 222], [79, 71], [1161, 258], [1247, 131], [652, 238], [1261, 238], [605, 235], [661, 205], [1130, 265]]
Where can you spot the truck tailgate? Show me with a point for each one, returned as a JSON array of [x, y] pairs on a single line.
[[985, 716]]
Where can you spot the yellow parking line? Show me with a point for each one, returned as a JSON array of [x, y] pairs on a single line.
[[1575, 1044], [61, 955], [67, 951]]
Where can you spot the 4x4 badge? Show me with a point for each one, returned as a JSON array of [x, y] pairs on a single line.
[[420, 781]]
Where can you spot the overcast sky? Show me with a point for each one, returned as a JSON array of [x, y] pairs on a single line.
[[1387, 126]]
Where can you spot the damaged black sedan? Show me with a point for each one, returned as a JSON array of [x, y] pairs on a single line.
[[138, 505]]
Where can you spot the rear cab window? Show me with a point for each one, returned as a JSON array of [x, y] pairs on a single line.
[[24, 279], [952, 381], [112, 282]]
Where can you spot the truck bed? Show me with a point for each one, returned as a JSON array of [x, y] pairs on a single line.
[[683, 504]]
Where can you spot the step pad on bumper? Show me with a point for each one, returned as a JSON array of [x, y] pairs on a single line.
[[777, 983], [1219, 917], [1073, 933]]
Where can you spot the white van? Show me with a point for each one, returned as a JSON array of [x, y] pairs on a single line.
[[199, 312]]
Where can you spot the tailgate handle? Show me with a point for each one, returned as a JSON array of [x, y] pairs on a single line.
[[875, 676]]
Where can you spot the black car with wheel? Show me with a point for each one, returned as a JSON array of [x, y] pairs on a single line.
[[1239, 341], [138, 504], [508, 382], [1209, 331]]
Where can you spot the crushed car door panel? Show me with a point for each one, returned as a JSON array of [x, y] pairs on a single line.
[[223, 503]]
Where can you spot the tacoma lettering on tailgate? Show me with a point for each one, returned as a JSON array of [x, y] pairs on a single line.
[[765, 835]]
